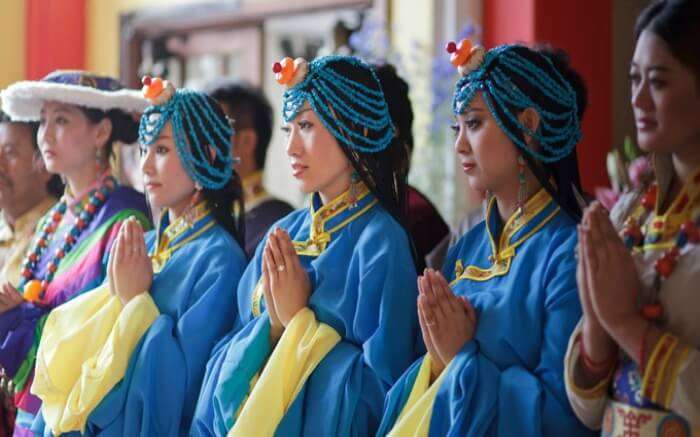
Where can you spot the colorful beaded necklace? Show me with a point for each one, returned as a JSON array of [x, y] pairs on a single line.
[[633, 237], [33, 288]]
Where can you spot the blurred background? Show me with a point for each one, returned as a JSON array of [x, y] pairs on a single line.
[[192, 42]]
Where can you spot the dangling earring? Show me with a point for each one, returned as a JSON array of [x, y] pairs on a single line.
[[352, 191], [98, 160], [522, 188], [190, 211]]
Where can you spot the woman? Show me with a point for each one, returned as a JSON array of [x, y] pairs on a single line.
[[326, 309], [633, 363], [151, 327], [80, 117], [496, 321]]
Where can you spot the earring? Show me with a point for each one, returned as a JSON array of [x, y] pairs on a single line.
[[190, 212], [522, 188], [352, 191], [99, 166]]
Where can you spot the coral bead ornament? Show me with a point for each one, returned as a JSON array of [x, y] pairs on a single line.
[[32, 290], [29, 283], [460, 52], [285, 71]]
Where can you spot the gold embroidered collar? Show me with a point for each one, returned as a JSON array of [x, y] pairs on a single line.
[[538, 211], [184, 229], [660, 230], [329, 219]]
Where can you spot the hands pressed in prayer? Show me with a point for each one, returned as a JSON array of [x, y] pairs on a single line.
[[276, 326], [611, 277], [129, 269], [287, 284], [611, 288], [597, 342], [448, 322], [9, 297]]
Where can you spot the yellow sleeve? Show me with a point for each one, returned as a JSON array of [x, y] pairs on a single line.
[[304, 343], [671, 377], [414, 419], [84, 352]]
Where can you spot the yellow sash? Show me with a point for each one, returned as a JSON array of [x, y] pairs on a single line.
[[84, 352], [304, 343], [414, 419]]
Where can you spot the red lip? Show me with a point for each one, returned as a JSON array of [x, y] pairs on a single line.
[[645, 124], [49, 153], [298, 170], [150, 186], [468, 166]]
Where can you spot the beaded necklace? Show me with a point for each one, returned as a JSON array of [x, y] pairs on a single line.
[[32, 287], [633, 237]]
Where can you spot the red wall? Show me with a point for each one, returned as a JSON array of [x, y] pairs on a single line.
[[584, 30], [55, 36]]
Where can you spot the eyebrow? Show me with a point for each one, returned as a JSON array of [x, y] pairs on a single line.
[[472, 109], [655, 67]]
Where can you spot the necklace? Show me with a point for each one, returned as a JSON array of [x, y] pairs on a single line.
[[634, 237], [33, 288]]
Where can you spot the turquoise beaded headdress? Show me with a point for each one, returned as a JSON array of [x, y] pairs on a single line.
[[202, 133], [355, 113], [510, 82]]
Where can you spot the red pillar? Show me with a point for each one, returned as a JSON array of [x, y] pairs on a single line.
[[584, 30], [55, 36]]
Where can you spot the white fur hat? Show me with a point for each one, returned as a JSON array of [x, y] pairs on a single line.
[[22, 101]]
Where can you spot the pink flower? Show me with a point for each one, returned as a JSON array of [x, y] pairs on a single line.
[[607, 197], [637, 170]]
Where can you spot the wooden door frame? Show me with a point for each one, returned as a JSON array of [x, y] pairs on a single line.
[[140, 25]]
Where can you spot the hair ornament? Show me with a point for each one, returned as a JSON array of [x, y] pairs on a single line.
[[465, 55], [290, 72]]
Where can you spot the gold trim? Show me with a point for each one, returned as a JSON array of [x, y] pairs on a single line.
[[672, 376], [666, 226], [502, 255], [656, 365], [173, 231]]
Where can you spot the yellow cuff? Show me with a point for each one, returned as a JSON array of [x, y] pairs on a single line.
[[661, 373]]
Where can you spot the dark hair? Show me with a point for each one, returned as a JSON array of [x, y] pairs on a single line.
[[396, 93], [55, 185], [249, 109], [677, 22], [226, 203], [124, 128], [383, 171], [564, 173]]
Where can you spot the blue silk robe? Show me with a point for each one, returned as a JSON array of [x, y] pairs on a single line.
[[364, 287], [508, 380], [197, 270]]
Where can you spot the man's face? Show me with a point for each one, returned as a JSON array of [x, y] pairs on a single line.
[[21, 170]]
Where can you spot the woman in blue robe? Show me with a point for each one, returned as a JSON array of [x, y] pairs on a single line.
[[496, 321], [134, 363], [327, 307]]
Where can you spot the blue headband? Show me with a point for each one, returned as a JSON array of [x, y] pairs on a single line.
[[557, 133], [211, 172], [344, 105]]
